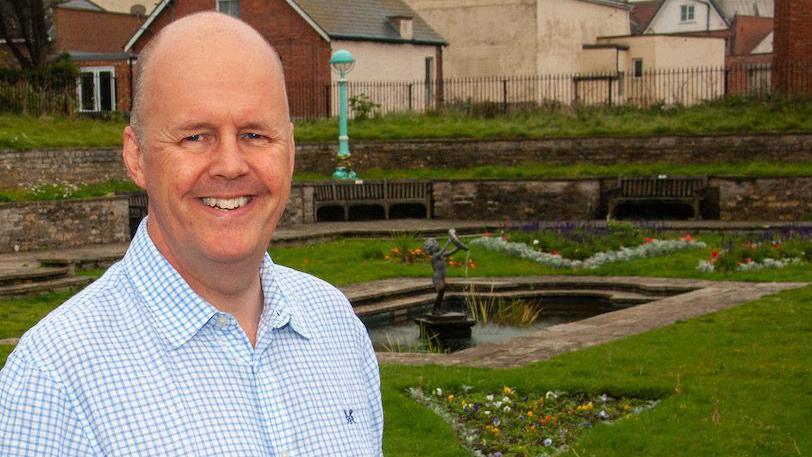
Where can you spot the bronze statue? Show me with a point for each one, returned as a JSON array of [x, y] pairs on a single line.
[[438, 258]]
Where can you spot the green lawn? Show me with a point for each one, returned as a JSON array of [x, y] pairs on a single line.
[[750, 364], [732, 116], [732, 383]]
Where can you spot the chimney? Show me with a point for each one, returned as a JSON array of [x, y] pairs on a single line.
[[404, 25]]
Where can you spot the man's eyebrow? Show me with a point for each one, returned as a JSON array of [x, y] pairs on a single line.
[[195, 125]]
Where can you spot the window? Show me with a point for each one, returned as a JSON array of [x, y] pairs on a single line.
[[429, 96], [637, 68], [230, 7], [686, 13], [96, 89]]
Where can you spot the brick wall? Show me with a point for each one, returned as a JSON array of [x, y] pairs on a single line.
[[792, 45], [33, 226], [305, 54]]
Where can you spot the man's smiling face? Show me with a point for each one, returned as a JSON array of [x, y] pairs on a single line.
[[216, 154]]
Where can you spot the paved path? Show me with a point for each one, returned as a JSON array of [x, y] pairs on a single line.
[[711, 296]]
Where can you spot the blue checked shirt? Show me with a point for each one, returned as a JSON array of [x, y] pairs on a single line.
[[138, 364]]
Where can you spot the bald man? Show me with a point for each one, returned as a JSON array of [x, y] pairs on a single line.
[[196, 343]]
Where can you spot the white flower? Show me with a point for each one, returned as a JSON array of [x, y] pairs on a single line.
[[535, 242], [548, 442], [603, 414], [506, 409], [505, 399], [551, 395], [497, 404], [486, 412], [489, 397], [438, 391]]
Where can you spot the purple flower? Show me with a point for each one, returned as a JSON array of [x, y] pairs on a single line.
[[476, 407], [496, 421]]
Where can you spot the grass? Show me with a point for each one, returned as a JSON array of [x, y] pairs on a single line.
[[732, 383], [730, 116], [329, 261], [61, 192]]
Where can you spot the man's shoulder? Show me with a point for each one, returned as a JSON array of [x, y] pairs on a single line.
[[76, 324]]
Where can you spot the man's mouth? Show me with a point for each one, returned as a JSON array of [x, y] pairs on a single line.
[[227, 204]]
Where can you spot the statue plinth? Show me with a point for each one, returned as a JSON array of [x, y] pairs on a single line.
[[450, 331]]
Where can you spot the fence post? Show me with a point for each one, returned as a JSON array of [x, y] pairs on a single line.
[[726, 88], [504, 96], [410, 96], [610, 81]]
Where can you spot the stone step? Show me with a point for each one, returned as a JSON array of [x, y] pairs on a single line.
[[51, 285], [32, 275], [395, 304]]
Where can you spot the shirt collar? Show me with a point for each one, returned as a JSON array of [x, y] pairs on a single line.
[[179, 312], [280, 307]]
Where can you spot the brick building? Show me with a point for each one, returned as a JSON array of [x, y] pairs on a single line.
[[387, 38], [94, 38], [793, 47]]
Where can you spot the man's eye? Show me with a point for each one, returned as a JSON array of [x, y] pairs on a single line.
[[252, 136], [194, 138]]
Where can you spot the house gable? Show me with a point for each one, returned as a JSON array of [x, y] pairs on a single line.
[[667, 19]]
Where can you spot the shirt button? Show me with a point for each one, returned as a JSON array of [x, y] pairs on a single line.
[[222, 320]]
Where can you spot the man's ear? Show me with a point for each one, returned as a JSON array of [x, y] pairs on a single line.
[[292, 152], [133, 158]]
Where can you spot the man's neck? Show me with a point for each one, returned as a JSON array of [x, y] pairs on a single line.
[[233, 288]]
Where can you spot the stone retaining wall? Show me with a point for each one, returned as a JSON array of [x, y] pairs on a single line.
[[23, 168], [31, 226], [319, 157], [53, 166], [778, 199]]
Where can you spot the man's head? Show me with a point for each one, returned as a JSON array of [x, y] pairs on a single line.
[[211, 141]]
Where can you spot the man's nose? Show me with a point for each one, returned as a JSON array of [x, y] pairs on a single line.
[[228, 159]]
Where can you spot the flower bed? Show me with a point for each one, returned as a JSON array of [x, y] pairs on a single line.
[[509, 424], [767, 253], [650, 247]]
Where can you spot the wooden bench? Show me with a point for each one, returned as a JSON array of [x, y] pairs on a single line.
[[689, 190], [383, 193]]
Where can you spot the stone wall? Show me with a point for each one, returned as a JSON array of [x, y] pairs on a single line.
[[300, 209], [570, 199], [51, 166], [23, 168], [760, 199], [31, 226], [319, 157]]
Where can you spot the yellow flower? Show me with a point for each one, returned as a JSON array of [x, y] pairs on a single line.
[[507, 391], [530, 414], [451, 398]]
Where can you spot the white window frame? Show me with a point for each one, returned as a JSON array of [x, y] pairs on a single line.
[[96, 88], [217, 7], [687, 13], [635, 73]]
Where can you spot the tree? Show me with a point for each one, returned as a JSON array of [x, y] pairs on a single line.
[[24, 25]]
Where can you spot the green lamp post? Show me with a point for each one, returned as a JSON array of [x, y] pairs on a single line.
[[342, 62]]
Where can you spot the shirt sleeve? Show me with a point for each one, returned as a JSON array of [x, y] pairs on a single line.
[[372, 375], [36, 416]]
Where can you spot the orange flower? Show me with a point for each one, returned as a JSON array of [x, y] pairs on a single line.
[[687, 237], [648, 240]]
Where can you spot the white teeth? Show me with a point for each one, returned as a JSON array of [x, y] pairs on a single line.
[[225, 203]]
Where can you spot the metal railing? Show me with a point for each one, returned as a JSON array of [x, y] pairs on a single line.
[[494, 94]]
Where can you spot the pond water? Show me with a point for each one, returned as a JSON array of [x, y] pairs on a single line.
[[404, 337]]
